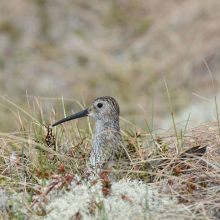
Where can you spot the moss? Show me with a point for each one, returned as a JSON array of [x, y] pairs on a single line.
[[142, 27], [9, 28], [82, 60], [115, 16]]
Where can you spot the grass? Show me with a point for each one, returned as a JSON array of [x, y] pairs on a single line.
[[38, 163], [213, 87]]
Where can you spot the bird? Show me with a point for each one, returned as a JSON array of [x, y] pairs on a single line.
[[107, 146], [107, 143]]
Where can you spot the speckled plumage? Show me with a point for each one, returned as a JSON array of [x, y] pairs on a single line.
[[107, 141]]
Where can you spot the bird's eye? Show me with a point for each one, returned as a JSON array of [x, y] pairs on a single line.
[[99, 105]]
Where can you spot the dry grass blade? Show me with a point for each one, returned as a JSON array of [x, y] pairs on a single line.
[[213, 87]]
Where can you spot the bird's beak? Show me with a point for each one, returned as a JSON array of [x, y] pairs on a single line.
[[71, 117]]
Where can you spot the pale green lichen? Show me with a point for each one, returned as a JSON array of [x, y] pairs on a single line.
[[140, 201]]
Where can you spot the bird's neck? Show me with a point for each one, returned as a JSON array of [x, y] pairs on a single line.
[[106, 126], [106, 134]]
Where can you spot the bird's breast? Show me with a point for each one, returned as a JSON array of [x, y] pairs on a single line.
[[106, 141]]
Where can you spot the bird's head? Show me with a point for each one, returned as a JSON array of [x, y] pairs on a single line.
[[103, 109]]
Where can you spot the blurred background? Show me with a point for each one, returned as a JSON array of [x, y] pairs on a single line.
[[121, 48]]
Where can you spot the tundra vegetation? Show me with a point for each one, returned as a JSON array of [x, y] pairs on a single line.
[[42, 172], [155, 58]]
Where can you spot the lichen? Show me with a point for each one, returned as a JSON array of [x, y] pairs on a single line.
[[127, 200]]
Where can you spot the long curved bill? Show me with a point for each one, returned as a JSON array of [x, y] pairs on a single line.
[[71, 117]]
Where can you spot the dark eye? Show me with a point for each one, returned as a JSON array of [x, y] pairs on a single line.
[[99, 105]]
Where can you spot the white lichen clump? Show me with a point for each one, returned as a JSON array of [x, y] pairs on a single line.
[[127, 200]]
